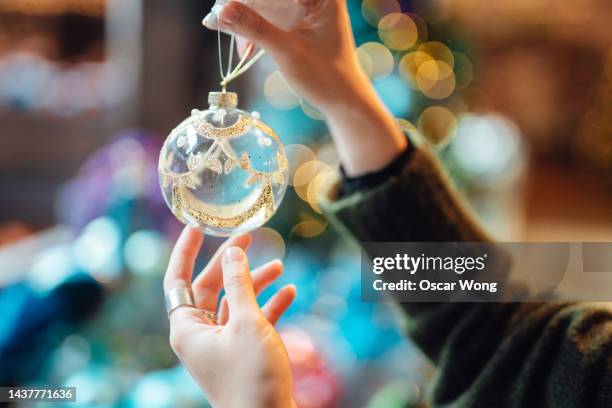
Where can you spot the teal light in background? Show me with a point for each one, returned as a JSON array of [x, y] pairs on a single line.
[[395, 94]]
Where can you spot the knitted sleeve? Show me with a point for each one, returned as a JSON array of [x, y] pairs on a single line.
[[486, 354]]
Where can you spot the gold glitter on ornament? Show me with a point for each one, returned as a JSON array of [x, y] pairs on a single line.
[[214, 164], [208, 131], [186, 206], [230, 164]]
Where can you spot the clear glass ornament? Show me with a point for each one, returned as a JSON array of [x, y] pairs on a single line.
[[223, 168]]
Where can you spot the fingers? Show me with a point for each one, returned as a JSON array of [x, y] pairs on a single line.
[[183, 257], [208, 284], [179, 273], [279, 303], [241, 20], [237, 282], [245, 47], [262, 278]]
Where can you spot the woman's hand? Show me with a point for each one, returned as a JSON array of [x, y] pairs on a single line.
[[241, 361], [318, 61], [317, 58]]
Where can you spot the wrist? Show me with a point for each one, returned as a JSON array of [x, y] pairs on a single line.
[[366, 135], [353, 91]]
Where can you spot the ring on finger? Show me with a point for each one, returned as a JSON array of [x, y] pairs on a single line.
[[212, 316], [178, 297]]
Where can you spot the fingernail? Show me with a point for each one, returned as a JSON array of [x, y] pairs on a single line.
[[229, 15], [233, 254], [205, 20]]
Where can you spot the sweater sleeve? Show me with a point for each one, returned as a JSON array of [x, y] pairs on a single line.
[[486, 354]]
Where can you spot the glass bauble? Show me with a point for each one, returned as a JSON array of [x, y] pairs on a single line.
[[223, 169]]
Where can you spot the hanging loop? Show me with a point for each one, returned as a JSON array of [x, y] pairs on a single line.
[[243, 65]]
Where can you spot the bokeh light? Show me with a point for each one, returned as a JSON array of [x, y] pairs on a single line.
[[464, 70], [51, 267], [96, 386], [145, 252], [409, 66], [267, 244], [309, 228], [374, 10], [485, 146], [397, 31], [437, 125], [436, 79], [423, 30], [278, 93], [97, 249], [297, 155], [328, 154], [437, 51], [379, 57], [365, 62], [153, 391], [305, 174], [318, 186], [72, 355]]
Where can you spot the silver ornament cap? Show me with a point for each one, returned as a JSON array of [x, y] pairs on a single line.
[[223, 99]]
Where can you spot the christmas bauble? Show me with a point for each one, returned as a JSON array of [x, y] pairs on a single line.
[[223, 168]]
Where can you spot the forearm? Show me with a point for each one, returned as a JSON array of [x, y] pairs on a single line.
[[364, 131], [487, 354], [418, 204]]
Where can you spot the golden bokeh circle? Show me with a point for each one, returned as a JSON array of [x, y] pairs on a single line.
[[278, 93], [305, 174], [297, 155], [365, 62], [436, 79], [382, 62], [397, 31], [309, 228], [437, 51], [374, 10], [437, 125], [409, 65], [318, 186]]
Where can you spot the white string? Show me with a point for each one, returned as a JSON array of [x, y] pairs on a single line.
[[231, 56], [243, 65], [219, 48]]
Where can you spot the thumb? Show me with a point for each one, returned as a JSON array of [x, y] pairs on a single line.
[[243, 21], [237, 282]]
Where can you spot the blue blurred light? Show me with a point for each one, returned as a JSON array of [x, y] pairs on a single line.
[[487, 146], [395, 94], [145, 252], [51, 267], [97, 249]]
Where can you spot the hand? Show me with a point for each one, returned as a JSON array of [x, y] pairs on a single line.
[[241, 361], [317, 58], [318, 61]]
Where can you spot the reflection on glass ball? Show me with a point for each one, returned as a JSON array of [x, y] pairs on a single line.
[[223, 169]]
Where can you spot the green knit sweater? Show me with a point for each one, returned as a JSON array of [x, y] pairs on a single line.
[[486, 354]]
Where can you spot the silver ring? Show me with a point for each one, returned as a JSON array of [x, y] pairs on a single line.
[[178, 297]]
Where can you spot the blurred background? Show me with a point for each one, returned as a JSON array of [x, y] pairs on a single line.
[[514, 96]]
